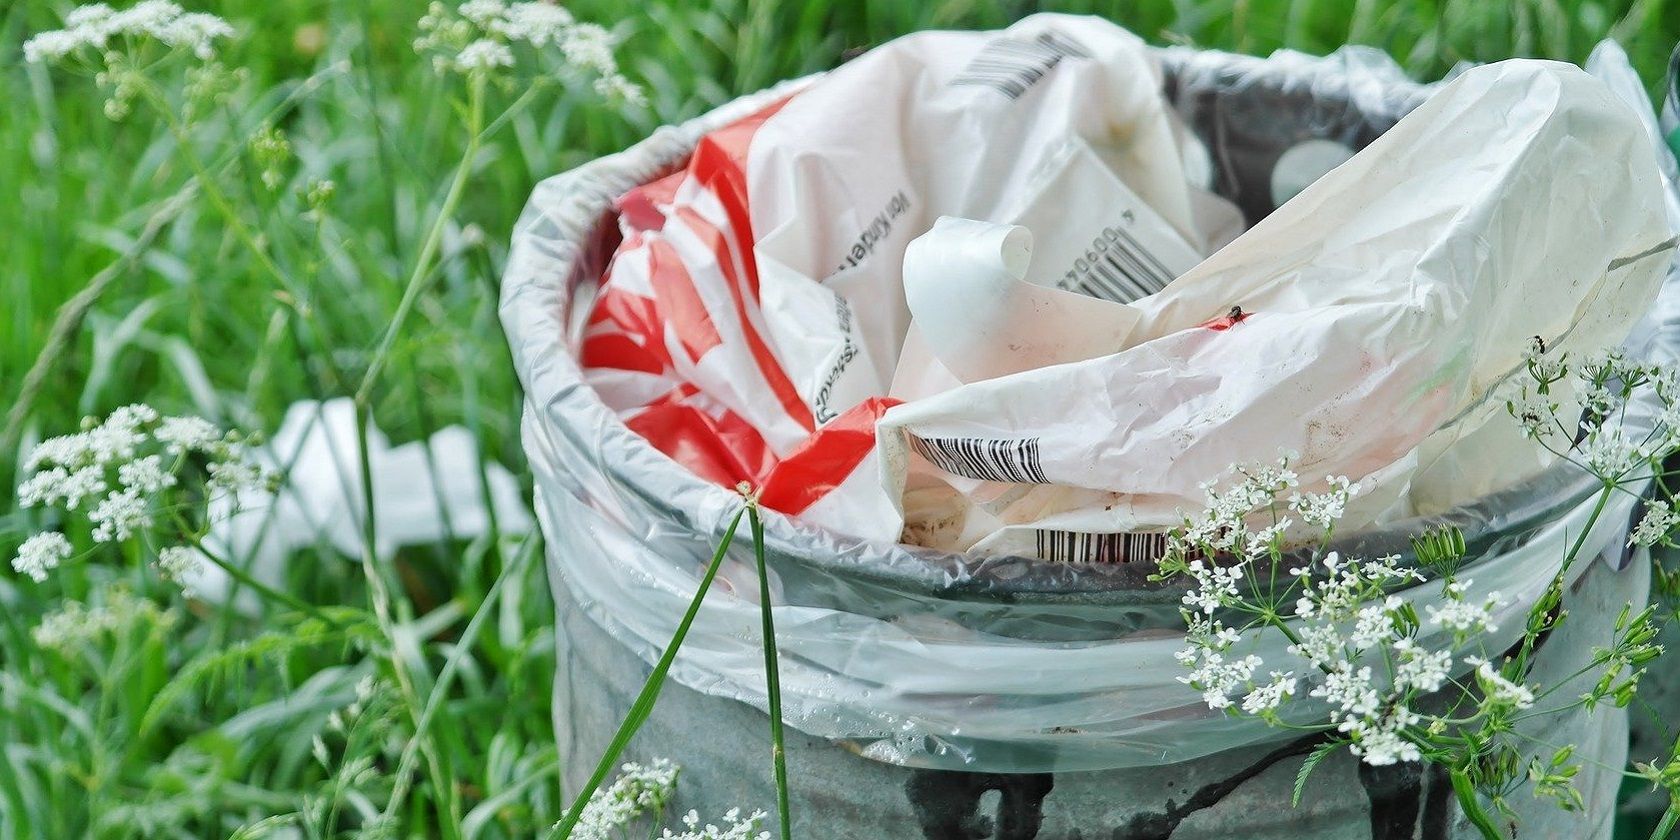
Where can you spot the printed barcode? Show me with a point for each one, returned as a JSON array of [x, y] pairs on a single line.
[[1010, 66], [1117, 267], [1081, 547], [1014, 461]]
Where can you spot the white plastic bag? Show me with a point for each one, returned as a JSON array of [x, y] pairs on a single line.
[[754, 315], [754, 323], [423, 491], [1385, 302]]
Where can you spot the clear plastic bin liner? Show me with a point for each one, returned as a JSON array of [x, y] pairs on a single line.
[[921, 658]]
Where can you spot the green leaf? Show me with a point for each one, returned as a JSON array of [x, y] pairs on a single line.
[[1307, 767]]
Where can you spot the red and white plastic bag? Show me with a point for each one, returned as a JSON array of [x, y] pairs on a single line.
[[1058, 357]]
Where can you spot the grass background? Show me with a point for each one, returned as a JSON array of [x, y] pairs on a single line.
[[189, 325]]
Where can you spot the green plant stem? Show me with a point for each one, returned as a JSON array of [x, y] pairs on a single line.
[[379, 594], [379, 591], [1530, 640], [1670, 819], [429, 248], [440, 689], [772, 674], [269, 592], [643, 705], [1471, 804], [219, 200]]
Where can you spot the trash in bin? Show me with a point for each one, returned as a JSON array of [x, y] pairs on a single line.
[[1075, 342], [957, 674]]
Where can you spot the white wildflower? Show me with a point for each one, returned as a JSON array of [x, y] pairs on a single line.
[[537, 23], [617, 87], [119, 516], [145, 475], [118, 438], [1544, 367], [1419, 668], [1349, 690], [53, 45], [91, 15], [1374, 624], [483, 55], [1320, 644], [1216, 586], [60, 486], [1536, 414], [237, 473], [1462, 616], [1268, 697], [1379, 740], [734, 827], [1607, 453], [63, 450], [1218, 678], [179, 564], [1498, 689], [638, 790], [40, 554], [76, 623], [590, 47], [92, 27], [1324, 509], [187, 434], [482, 12], [1654, 526]]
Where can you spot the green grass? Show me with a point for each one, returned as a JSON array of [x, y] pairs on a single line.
[[190, 724]]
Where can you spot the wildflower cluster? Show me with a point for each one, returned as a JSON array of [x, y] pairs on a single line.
[[638, 790], [123, 49], [478, 39], [126, 475], [90, 30], [1400, 669], [1602, 385], [75, 624], [735, 827], [1360, 647]]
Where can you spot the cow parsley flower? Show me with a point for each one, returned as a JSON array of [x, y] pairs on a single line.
[[125, 470], [1419, 668], [179, 565], [1268, 697], [735, 827], [40, 554], [1461, 616], [119, 516], [75, 624], [639, 789], [1322, 510], [483, 55], [1653, 527], [1497, 688], [478, 38], [187, 434], [89, 30], [145, 475]]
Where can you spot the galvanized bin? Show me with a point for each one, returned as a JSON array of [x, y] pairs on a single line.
[[607, 499]]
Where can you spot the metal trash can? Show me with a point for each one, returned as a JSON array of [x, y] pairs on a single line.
[[625, 525]]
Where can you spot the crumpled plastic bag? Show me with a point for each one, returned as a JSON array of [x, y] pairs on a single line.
[[320, 497], [751, 321], [1378, 310], [758, 314]]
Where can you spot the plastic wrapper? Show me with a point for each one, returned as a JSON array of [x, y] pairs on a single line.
[[1066, 399], [914, 656], [423, 492]]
